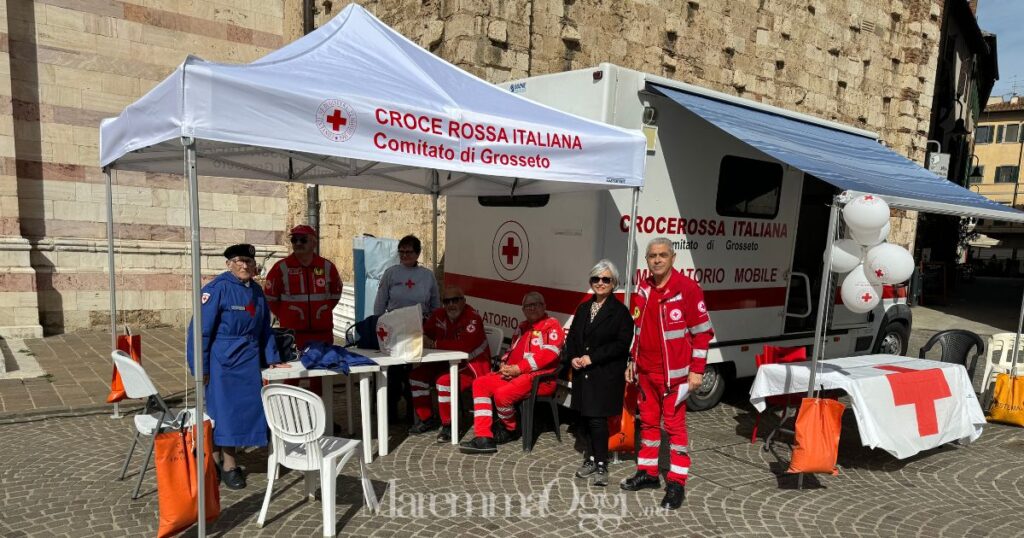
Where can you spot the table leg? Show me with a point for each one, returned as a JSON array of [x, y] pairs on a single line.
[[348, 405], [327, 387], [453, 380], [382, 411], [364, 411]]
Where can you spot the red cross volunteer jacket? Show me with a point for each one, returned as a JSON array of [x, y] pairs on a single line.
[[535, 348], [465, 334], [685, 326], [303, 297]]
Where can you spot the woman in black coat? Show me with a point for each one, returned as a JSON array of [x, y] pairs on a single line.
[[597, 348]]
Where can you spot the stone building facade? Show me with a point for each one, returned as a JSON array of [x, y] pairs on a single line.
[[69, 63]]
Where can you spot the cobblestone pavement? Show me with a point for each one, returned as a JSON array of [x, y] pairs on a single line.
[[58, 479]]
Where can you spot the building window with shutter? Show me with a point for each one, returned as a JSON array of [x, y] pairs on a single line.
[[983, 135], [1012, 132], [1006, 174], [999, 134]]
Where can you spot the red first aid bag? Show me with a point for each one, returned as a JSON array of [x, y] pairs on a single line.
[[132, 345], [817, 436], [176, 484]]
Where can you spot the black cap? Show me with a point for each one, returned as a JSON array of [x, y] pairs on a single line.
[[241, 249]]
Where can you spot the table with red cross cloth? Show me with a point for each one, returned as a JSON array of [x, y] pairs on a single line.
[[903, 405]]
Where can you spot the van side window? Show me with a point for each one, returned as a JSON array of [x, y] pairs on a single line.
[[748, 188], [526, 200]]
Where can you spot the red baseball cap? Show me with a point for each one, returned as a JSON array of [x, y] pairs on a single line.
[[303, 229]]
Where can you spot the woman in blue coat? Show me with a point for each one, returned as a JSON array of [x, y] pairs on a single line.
[[237, 342]]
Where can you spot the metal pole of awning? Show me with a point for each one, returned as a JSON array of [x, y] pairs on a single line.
[[435, 189], [631, 250], [823, 297], [110, 263], [197, 325]]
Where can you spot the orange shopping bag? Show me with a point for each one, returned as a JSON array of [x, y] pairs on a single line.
[[132, 345], [622, 428], [176, 482], [1008, 400], [817, 436]]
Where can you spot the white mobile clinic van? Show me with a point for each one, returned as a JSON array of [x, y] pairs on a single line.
[[749, 228]]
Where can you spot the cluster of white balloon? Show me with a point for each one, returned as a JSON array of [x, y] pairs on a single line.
[[870, 261]]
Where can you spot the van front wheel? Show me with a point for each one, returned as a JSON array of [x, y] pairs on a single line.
[[712, 387]]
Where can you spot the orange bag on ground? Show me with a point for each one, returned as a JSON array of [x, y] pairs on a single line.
[[132, 345], [176, 482], [1008, 400], [622, 428], [817, 436]]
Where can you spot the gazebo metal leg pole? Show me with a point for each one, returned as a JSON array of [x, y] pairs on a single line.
[[110, 264], [197, 324], [1016, 340], [434, 191], [823, 303], [631, 249]]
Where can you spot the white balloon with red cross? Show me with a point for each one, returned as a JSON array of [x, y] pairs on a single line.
[[866, 214], [888, 264], [859, 294], [870, 238]]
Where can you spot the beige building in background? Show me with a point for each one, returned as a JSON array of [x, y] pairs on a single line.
[[69, 63], [998, 144]]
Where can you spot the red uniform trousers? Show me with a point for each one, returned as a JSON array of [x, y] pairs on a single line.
[[424, 375], [658, 410], [505, 395]]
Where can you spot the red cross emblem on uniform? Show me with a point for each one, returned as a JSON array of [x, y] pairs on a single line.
[[382, 333], [251, 309], [510, 251], [409, 283], [920, 388]]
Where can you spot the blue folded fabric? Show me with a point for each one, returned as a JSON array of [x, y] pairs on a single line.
[[322, 356]]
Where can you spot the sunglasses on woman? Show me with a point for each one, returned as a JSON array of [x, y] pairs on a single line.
[[601, 279]]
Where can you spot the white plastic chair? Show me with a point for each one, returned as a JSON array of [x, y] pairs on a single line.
[[495, 337], [155, 418], [296, 418], [1000, 357]]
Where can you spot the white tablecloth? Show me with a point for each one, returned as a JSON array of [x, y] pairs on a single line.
[[903, 405]]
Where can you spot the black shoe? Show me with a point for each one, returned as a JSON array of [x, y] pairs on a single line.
[[220, 471], [640, 480], [601, 476], [445, 435], [479, 445], [234, 479], [425, 426], [588, 468], [502, 436], [674, 495]]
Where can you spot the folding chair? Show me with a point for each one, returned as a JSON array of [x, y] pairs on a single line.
[[529, 404], [789, 403], [155, 418]]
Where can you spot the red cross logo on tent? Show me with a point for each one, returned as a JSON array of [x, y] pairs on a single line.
[[866, 297], [409, 283], [336, 120], [920, 388], [510, 251], [382, 333]]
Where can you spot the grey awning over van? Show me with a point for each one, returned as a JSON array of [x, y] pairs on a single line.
[[848, 160]]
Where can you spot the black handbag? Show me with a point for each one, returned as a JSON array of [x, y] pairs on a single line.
[[285, 341], [363, 334]]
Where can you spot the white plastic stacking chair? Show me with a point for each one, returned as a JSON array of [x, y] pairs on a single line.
[[495, 337], [296, 418], [155, 418], [1000, 357]]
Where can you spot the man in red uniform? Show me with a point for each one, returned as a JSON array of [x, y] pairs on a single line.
[[455, 326], [668, 358], [303, 289], [536, 344]]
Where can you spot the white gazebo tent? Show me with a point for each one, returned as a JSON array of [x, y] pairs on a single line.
[[356, 104]]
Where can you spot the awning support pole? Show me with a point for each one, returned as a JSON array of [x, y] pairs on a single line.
[[197, 323], [110, 264], [435, 189], [823, 303], [1016, 340], [631, 250]]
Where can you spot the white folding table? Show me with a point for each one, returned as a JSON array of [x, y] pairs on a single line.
[[296, 370]]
